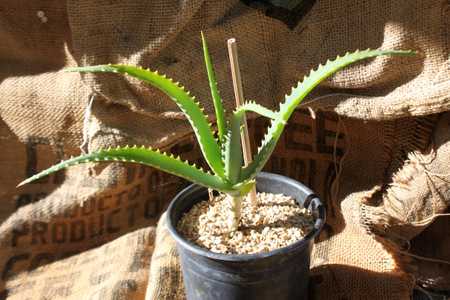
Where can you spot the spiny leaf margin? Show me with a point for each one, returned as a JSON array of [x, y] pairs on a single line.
[[146, 156], [187, 103], [256, 108], [297, 95]]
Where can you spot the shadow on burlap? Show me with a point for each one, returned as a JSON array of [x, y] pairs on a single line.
[[372, 141]]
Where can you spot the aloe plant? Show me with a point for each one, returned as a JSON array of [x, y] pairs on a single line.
[[224, 153]]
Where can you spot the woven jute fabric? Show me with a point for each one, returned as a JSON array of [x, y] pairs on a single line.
[[372, 141]]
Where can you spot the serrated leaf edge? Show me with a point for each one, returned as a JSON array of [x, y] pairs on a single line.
[[208, 144], [130, 155], [298, 93]]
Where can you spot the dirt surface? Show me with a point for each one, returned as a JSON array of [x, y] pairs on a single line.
[[276, 222]]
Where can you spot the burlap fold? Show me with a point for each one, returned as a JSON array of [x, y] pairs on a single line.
[[372, 144]]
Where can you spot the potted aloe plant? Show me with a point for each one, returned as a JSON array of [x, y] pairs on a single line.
[[215, 260]]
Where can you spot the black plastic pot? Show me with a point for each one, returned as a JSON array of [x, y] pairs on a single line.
[[276, 275]]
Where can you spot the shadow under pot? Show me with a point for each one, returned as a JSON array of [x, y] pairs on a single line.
[[279, 274]]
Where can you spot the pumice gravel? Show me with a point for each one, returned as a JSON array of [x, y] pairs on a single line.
[[276, 222]]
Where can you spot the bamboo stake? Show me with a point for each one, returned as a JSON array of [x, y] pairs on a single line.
[[239, 95]]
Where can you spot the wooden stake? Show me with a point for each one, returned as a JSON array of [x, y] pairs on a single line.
[[239, 95]]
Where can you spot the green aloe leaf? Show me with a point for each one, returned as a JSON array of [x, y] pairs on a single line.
[[218, 105], [297, 95], [232, 150], [257, 108], [146, 156], [187, 103]]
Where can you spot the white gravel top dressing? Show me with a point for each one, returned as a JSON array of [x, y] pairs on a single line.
[[276, 222]]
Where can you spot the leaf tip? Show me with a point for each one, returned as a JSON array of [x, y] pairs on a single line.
[[22, 183]]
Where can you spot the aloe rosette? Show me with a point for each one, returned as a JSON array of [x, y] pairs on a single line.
[[224, 153]]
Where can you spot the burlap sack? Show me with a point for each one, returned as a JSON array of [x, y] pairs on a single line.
[[352, 148], [348, 258]]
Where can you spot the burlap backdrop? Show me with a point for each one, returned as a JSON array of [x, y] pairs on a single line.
[[374, 142]]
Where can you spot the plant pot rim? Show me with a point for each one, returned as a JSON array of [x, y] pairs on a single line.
[[319, 222]]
